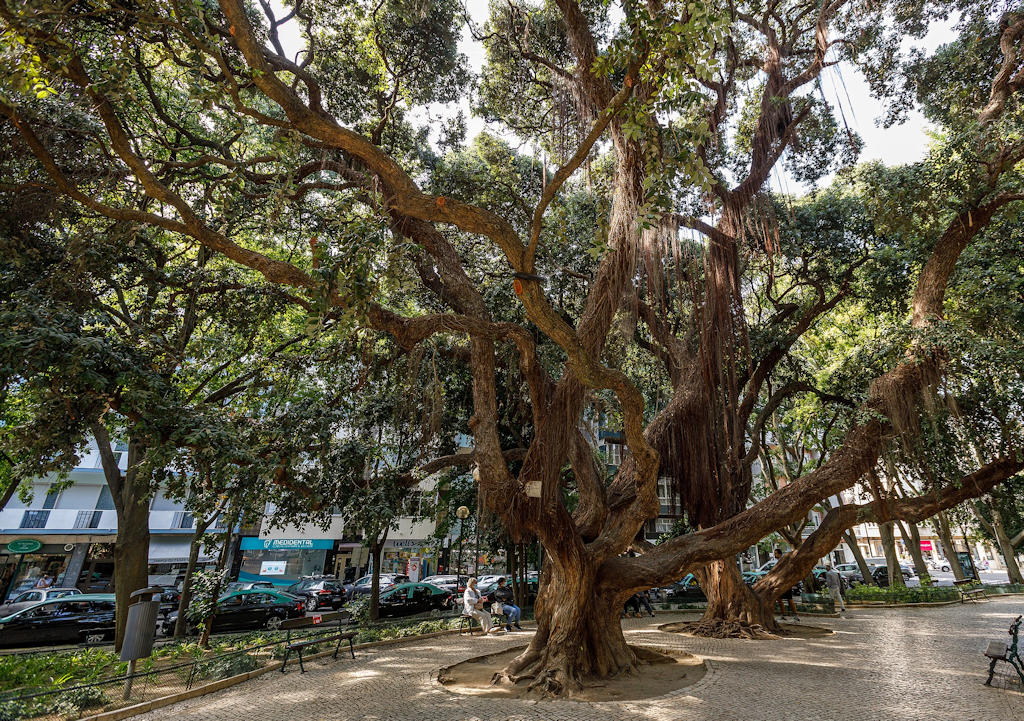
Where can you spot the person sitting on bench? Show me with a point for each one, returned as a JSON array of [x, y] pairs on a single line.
[[473, 605], [503, 595]]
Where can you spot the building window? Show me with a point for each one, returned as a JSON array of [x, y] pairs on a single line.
[[667, 498], [34, 519], [183, 519], [106, 501], [161, 502], [614, 454], [88, 519]]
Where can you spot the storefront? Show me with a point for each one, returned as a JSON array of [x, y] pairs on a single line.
[[282, 561], [28, 562], [412, 556], [168, 557]]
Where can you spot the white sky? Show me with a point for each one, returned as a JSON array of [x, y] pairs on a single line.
[[894, 146]]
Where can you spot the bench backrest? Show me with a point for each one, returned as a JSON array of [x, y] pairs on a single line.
[[1014, 634], [965, 582], [338, 616]]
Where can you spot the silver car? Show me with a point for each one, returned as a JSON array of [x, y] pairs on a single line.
[[33, 596]]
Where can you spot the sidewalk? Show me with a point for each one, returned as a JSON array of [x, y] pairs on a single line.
[[899, 664]]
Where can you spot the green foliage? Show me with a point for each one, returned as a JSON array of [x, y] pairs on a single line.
[[206, 589], [227, 666], [903, 594]]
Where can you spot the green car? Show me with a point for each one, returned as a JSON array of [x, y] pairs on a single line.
[[409, 599]]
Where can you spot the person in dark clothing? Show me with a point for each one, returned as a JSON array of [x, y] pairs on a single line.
[[632, 607], [503, 595], [644, 597]]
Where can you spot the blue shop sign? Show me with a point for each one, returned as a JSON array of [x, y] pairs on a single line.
[[251, 543]]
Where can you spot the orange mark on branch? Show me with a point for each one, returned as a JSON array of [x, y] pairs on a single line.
[[232, 30], [441, 202], [517, 286]]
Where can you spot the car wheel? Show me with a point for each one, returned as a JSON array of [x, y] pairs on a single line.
[[274, 623], [312, 604], [95, 637], [945, 569], [435, 612]]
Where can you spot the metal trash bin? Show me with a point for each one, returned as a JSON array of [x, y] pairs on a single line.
[[140, 628]]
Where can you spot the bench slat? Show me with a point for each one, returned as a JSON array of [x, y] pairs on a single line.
[[996, 649]]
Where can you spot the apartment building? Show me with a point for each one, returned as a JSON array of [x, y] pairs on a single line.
[[69, 534]]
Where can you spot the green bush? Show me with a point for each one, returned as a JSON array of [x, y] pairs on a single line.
[[901, 594], [73, 701], [45, 670], [226, 667]]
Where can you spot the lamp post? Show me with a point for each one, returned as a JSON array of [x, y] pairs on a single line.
[[463, 513]]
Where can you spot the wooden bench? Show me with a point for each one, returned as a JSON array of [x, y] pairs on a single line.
[[970, 589], [1009, 652], [338, 634]]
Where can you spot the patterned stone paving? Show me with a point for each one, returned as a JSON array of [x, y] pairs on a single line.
[[901, 664]]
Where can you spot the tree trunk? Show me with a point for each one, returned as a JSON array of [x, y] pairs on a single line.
[[865, 569], [222, 559], [892, 561], [1005, 547], [579, 635], [131, 561], [376, 551], [181, 625], [912, 537], [733, 607], [941, 525]]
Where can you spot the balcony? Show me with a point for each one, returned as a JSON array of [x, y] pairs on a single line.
[[57, 519]]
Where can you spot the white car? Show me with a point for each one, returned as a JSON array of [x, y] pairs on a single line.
[[33, 596]]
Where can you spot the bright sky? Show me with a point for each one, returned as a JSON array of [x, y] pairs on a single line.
[[894, 146]]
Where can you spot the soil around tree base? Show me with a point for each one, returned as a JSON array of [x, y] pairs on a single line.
[[757, 633], [660, 671]]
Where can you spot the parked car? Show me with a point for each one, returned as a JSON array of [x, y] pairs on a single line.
[[74, 618], [449, 582], [941, 565], [33, 596], [319, 592], [258, 608], [387, 580], [881, 576], [409, 599], [487, 591], [248, 586], [685, 590]]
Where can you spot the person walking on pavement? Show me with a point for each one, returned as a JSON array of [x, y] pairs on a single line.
[[503, 595], [835, 587], [473, 605], [645, 600]]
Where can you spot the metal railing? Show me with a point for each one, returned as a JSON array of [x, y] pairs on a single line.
[[34, 519]]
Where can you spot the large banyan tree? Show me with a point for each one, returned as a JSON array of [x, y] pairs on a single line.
[[659, 127]]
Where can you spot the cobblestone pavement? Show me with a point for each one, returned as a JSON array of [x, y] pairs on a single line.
[[882, 664]]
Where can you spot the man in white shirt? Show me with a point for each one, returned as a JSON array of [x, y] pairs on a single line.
[[471, 606]]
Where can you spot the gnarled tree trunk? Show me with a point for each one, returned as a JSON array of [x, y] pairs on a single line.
[[733, 606], [912, 537], [1005, 547], [858, 556], [579, 634]]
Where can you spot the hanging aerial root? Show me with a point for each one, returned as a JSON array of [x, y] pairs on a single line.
[[720, 628]]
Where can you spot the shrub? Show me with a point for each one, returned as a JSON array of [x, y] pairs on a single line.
[[227, 666], [900, 594], [73, 701]]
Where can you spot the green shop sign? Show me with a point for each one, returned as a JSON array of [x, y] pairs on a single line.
[[24, 545]]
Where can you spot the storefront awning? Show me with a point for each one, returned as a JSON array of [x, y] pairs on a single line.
[[175, 550]]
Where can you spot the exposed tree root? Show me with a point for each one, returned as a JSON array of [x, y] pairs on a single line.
[[721, 628]]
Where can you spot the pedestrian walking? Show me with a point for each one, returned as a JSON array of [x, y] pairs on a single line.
[[834, 582], [473, 605]]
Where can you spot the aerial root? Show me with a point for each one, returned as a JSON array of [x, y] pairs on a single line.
[[722, 628]]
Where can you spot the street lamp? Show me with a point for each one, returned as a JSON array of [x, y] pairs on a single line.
[[463, 513]]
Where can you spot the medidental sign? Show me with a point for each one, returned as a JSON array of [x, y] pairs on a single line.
[[286, 544]]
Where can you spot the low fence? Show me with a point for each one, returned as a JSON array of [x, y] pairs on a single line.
[[175, 667]]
